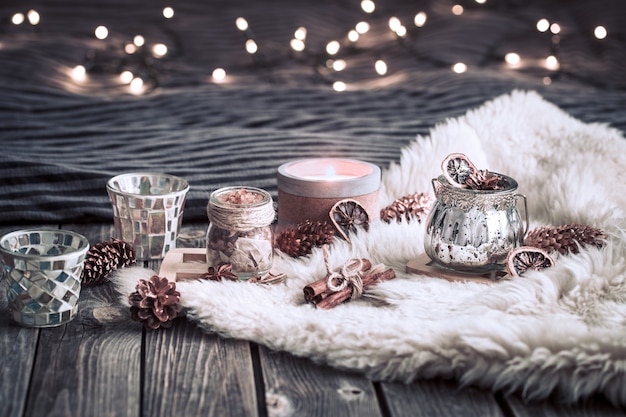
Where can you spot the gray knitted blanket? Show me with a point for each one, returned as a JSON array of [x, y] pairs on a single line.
[[62, 135]]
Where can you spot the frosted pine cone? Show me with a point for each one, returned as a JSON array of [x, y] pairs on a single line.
[[104, 258], [155, 302], [482, 179], [415, 205], [564, 239], [301, 240]]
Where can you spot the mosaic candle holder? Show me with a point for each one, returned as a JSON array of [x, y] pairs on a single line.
[[43, 269], [308, 188], [148, 210]]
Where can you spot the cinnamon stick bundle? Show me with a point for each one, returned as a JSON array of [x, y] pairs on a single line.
[[318, 293]]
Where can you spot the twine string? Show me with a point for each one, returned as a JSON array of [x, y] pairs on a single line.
[[348, 274], [241, 218]]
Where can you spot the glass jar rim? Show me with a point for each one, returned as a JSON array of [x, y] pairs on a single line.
[[113, 184], [511, 186], [72, 251], [214, 200]]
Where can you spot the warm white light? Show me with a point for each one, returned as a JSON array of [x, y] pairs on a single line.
[[339, 86], [381, 67], [168, 12], [543, 25], [300, 33], [130, 48], [139, 40], [555, 28], [101, 32], [457, 10], [251, 46], [552, 63], [512, 59], [339, 65], [353, 36], [401, 31], [159, 50], [33, 17], [368, 6], [362, 27], [420, 19], [600, 32], [79, 73], [297, 45], [481, 1], [332, 47], [126, 77], [459, 68], [219, 74], [394, 23], [242, 24], [136, 86], [17, 19]]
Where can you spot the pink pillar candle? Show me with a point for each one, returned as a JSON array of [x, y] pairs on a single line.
[[308, 188]]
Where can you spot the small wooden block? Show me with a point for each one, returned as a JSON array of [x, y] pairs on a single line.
[[425, 266], [182, 264]]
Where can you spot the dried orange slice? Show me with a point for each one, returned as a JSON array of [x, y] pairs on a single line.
[[457, 168], [348, 215], [526, 258]]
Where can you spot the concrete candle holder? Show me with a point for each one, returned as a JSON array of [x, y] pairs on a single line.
[[308, 188]]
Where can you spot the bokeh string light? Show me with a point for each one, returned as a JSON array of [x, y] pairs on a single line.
[[336, 56], [134, 61]]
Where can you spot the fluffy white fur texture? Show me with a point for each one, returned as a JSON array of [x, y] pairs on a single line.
[[562, 330]]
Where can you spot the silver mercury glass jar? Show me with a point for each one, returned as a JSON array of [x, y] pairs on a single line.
[[474, 230]]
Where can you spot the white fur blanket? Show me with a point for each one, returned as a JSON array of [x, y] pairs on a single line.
[[561, 330]]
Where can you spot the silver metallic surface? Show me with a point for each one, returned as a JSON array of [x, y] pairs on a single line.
[[474, 230]]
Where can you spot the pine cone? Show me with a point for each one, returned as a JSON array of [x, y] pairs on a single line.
[[482, 179], [104, 258], [155, 303], [415, 205], [301, 240], [564, 239]]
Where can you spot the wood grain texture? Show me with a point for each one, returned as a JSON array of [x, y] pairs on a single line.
[[438, 398], [17, 352], [297, 387], [91, 366], [189, 372], [594, 407]]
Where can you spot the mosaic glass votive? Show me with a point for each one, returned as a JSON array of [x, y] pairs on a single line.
[[148, 210], [43, 269]]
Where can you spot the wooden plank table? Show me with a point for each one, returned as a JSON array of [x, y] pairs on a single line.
[[104, 364]]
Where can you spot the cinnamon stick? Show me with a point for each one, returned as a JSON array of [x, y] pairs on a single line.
[[316, 289], [339, 297]]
